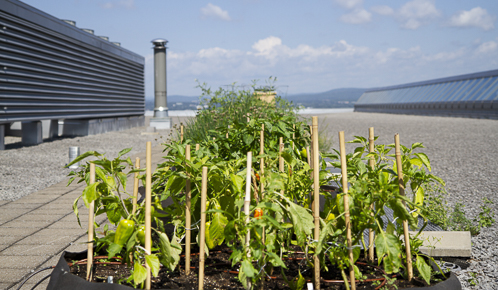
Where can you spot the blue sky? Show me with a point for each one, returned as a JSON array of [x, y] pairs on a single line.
[[311, 46]]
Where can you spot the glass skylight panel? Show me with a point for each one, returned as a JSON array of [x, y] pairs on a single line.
[[492, 86], [471, 91], [430, 90], [412, 92], [454, 90], [478, 91], [449, 88], [483, 89], [440, 88], [423, 93], [463, 91]]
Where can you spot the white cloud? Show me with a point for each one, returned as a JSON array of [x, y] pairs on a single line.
[[213, 11], [358, 16], [487, 47], [383, 10], [127, 4], [417, 13], [307, 68], [349, 4], [475, 17]]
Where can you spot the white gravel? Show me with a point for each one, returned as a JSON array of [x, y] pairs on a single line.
[[462, 151]]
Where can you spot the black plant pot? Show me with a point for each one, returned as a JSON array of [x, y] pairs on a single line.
[[62, 279]]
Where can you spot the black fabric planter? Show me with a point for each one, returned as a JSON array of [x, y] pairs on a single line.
[[62, 279]]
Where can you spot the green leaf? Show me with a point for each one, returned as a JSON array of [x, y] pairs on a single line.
[[83, 156], [247, 268], [113, 212], [242, 278], [238, 182], [122, 178], [423, 269], [123, 152], [90, 193], [217, 228], [153, 262], [424, 159], [388, 249], [302, 220], [75, 209], [275, 260], [170, 255], [248, 139], [139, 273], [113, 249], [438, 179]]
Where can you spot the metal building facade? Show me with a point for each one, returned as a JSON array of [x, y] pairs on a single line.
[[52, 70], [472, 95]]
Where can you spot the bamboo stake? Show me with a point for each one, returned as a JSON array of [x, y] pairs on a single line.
[[399, 167], [372, 165], [187, 217], [316, 201], [281, 159], [293, 135], [181, 133], [135, 186], [148, 192], [202, 239], [227, 130], [344, 172], [91, 213], [247, 203], [197, 147], [308, 153], [262, 160]]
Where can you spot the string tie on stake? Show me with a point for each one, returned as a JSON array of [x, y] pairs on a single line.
[[144, 249], [410, 212]]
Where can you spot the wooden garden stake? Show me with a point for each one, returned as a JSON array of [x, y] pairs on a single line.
[[344, 172], [281, 159], [187, 217], [197, 147], [135, 186], [91, 213], [148, 199], [308, 153], [372, 165], [316, 199], [262, 160], [293, 135], [202, 239], [401, 184], [247, 203], [181, 133]]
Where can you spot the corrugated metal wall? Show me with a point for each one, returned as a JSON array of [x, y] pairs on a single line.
[[52, 70]]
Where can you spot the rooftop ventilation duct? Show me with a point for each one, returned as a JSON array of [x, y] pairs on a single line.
[[116, 43], [104, 38], [71, 22], [88, 30]]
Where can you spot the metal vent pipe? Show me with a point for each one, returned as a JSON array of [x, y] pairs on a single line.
[[160, 93]]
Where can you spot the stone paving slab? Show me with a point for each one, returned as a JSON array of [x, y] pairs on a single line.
[[12, 275], [39, 217], [446, 244], [8, 240], [45, 240], [27, 224], [11, 261], [27, 206], [16, 232], [33, 250]]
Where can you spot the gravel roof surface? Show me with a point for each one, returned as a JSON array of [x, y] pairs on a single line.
[[462, 151]]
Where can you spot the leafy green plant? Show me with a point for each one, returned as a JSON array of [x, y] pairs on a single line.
[[108, 193]]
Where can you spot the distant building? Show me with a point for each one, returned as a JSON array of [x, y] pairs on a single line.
[[54, 73], [471, 95]]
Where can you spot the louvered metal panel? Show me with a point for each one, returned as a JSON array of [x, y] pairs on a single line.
[[50, 69], [472, 95]]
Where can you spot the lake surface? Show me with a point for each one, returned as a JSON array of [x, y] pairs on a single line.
[[307, 111]]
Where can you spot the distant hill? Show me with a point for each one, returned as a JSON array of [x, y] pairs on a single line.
[[337, 98]]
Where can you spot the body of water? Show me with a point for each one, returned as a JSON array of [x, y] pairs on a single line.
[[307, 111]]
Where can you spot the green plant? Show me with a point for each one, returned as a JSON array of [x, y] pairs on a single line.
[[108, 193], [473, 281], [269, 87]]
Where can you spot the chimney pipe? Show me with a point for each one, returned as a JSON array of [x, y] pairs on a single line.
[[160, 92]]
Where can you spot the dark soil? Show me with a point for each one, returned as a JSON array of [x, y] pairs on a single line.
[[220, 275]]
